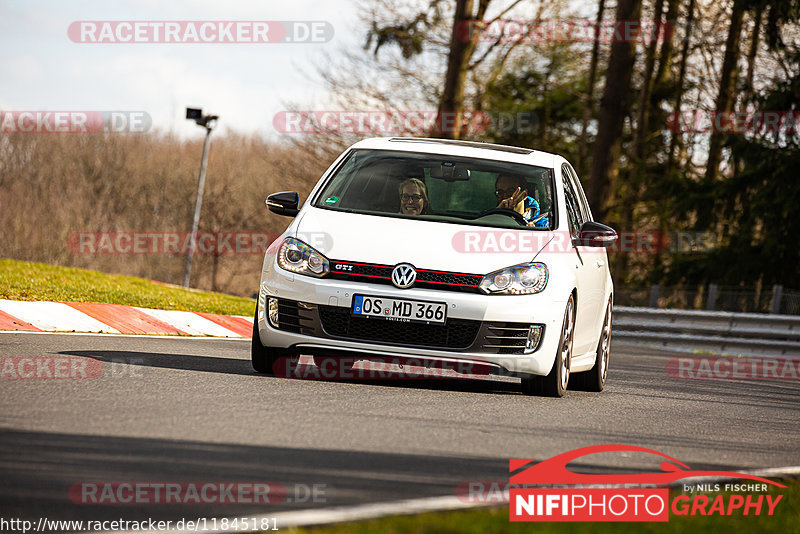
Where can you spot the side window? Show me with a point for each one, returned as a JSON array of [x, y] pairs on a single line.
[[573, 212], [578, 191]]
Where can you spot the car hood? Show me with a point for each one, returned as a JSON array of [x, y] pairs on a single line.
[[424, 244]]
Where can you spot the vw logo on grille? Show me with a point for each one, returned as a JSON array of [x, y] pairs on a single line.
[[404, 275]]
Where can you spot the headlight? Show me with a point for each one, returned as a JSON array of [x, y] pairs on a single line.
[[297, 257], [522, 279]]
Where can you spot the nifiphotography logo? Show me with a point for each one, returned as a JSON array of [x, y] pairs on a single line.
[[548, 491]]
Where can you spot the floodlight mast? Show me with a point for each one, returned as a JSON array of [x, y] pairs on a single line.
[[208, 122]]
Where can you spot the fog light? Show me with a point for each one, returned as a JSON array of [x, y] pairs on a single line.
[[534, 336], [272, 308]]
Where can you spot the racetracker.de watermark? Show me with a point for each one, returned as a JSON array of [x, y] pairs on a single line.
[[37, 121], [733, 368], [563, 31], [385, 122], [213, 243], [734, 122], [199, 31], [483, 491], [193, 524], [70, 368], [195, 492], [628, 242], [377, 368], [50, 368]]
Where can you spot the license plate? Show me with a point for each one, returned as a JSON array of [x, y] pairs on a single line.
[[404, 310]]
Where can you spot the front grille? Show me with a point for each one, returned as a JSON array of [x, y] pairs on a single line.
[[450, 279], [295, 316], [506, 338], [454, 334], [426, 278], [336, 322]]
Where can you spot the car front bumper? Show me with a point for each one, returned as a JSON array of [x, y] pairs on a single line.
[[474, 330]]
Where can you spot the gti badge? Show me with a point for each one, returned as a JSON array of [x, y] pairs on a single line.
[[404, 275]]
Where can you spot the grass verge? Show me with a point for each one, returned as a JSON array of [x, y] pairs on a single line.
[[495, 521], [22, 280]]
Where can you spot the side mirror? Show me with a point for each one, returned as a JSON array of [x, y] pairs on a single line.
[[594, 234], [284, 203]]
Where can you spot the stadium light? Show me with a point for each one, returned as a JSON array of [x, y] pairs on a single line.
[[208, 122]]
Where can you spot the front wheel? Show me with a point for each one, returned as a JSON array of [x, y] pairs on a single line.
[[264, 358], [595, 378], [555, 383], [261, 356]]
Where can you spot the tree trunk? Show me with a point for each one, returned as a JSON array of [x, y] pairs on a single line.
[[668, 32], [451, 104], [751, 55], [614, 107], [588, 105], [676, 133], [727, 85], [747, 90], [644, 93], [635, 170]]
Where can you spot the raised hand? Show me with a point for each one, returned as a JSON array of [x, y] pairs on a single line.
[[512, 202]]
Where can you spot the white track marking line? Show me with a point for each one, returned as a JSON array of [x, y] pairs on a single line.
[[362, 512]]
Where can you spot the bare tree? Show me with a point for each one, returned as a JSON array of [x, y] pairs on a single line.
[[676, 134], [588, 105], [614, 106], [727, 83], [451, 103], [647, 86]]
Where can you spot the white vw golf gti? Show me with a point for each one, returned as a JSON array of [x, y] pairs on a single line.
[[442, 251]]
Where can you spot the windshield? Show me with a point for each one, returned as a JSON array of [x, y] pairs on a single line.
[[441, 188]]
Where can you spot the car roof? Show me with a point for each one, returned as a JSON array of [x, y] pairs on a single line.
[[470, 149]]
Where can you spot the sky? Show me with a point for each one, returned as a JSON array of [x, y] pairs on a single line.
[[246, 84]]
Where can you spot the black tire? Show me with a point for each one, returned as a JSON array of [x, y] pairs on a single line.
[[595, 378], [262, 357], [555, 383]]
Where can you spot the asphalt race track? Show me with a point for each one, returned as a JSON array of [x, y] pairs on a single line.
[[192, 410]]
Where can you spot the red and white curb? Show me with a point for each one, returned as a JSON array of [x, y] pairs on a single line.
[[118, 319]]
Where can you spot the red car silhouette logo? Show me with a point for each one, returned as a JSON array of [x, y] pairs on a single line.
[[554, 470]]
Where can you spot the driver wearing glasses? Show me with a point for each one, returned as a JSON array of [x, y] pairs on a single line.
[[414, 197], [512, 193]]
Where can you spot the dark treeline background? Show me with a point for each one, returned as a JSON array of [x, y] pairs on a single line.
[[607, 105]]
